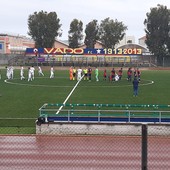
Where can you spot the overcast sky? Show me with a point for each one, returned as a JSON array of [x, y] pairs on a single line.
[[14, 13]]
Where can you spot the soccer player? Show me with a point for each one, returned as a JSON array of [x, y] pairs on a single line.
[[40, 71], [51, 72], [7, 72], [120, 73], [29, 74], [22, 73], [74, 73], [135, 72], [97, 74], [116, 77], [105, 74], [32, 70], [129, 74], [135, 87], [89, 73], [71, 73], [85, 71], [79, 74], [11, 72], [113, 74], [138, 74]]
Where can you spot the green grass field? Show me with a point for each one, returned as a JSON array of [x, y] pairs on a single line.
[[22, 99]]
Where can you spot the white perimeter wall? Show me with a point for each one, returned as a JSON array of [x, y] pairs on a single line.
[[100, 129]]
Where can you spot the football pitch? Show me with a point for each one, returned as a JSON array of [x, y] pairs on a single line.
[[20, 100]]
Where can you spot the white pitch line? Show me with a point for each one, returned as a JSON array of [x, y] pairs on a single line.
[[93, 86], [69, 95]]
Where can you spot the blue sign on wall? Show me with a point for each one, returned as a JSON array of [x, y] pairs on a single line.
[[0, 46]]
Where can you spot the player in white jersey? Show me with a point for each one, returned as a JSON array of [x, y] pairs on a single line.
[[11, 72], [51, 72], [7, 72], [40, 71], [116, 77], [32, 69], [29, 74], [79, 74], [22, 72]]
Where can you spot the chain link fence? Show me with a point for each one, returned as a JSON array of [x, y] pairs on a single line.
[[82, 60], [145, 147]]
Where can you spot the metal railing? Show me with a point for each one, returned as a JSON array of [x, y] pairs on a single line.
[[105, 113]]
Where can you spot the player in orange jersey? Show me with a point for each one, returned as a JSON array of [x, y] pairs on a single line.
[[71, 73]]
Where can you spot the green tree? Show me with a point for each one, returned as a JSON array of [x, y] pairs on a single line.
[[75, 33], [91, 32], [44, 28], [111, 32], [157, 31]]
